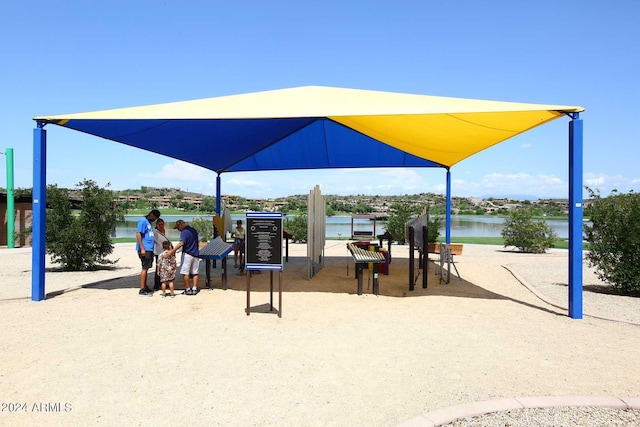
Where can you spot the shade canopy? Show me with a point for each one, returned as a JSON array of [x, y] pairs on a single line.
[[315, 127]]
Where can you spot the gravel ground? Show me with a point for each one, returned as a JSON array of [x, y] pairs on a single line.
[[552, 417], [547, 275]]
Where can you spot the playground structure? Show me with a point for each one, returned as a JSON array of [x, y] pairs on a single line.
[[416, 232], [363, 230], [362, 257]]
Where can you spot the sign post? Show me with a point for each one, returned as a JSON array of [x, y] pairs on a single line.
[[263, 250]]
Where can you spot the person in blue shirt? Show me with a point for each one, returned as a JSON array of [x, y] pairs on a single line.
[[190, 250], [144, 245]]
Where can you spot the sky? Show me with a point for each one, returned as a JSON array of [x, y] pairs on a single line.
[[79, 56]]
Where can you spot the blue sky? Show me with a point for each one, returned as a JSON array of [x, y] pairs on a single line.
[[78, 56]]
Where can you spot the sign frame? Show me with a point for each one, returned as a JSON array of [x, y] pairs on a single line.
[[263, 241]]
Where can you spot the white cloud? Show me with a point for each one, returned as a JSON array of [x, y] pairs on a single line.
[[594, 181], [247, 184], [511, 184], [385, 181], [182, 171], [607, 183]]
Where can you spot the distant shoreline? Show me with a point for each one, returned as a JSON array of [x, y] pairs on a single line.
[[179, 213]]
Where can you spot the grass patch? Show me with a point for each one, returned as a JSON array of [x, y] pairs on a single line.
[[558, 244], [166, 211], [123, 240], [476, 240]]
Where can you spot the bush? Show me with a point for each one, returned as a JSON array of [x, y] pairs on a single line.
[[434, 223], [297, 227], [204, 228], [614, 239], [399, 214], [525, 233], [80, 241]]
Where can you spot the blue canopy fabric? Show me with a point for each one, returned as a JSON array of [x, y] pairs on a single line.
[[228, 145]]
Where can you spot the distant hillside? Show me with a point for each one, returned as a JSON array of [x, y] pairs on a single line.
[[147, 197]]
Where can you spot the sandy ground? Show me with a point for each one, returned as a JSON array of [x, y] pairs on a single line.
[[102, 355]]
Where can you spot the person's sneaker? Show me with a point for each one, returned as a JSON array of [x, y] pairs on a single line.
[[187, 292], [145, 293], [164, 295], [172, 295]]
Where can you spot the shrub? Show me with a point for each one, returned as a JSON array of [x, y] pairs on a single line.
[[525, 233], [80, 241], [614, 239], [399, 214], [204, 228], [297, 227], [434, 223]]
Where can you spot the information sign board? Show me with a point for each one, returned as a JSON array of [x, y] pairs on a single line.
[[263, 241]]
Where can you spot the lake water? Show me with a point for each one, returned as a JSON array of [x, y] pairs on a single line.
[[340, 226]]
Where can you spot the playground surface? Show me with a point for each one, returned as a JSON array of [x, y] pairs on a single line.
[[95, 352]]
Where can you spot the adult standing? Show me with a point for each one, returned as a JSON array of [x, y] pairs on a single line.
[[238, 244], [190, 263], [160, 236], [145, 245]]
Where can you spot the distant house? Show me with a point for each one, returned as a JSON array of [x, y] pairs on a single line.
[[23, 208], [23, 211]]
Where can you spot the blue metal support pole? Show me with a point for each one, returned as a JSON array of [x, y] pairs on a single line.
[[218, 194], [448, 211], [575, 217], [39, 216]]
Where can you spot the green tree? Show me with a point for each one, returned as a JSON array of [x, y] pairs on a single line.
[[141, 204], [525, 233], [187, 206], [437, 209], [80, 241], [614, 239], [124, 206], [255, 206], [297, 226], [204, 227], [296, 205], [434, 224], [399, 214], [208, 204], [363, 208]]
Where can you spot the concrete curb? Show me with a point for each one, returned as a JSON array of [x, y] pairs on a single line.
[[470, 410]]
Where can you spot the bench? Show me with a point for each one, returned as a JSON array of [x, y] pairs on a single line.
[[216, 249], [361, 257], [446, 253], [361, 233], [455, 248]]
